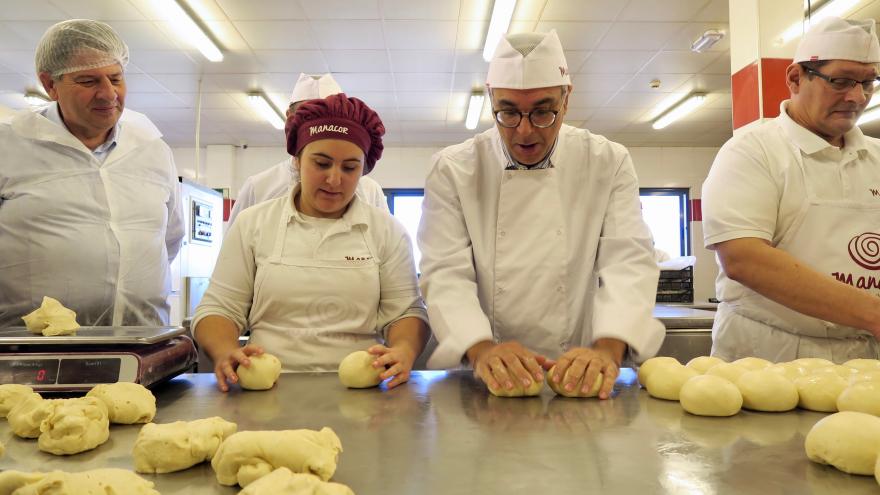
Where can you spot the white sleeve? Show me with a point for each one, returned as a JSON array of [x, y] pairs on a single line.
[[398, 286], [245, 199], [174, 230]]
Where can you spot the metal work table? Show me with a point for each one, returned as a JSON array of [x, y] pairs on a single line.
[[674, 317], [444, 434]]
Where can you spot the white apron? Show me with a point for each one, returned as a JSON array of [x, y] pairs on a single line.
[[530, 257], [829, 236], [330, 306]]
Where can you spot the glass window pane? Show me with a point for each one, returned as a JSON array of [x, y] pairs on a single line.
[[408, 209], [663, 215]]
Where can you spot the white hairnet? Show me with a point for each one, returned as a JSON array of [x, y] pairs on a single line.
[[79, 44]]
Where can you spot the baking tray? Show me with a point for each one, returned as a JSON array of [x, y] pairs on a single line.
[[91, 336]]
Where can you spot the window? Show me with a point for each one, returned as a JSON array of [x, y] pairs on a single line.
[[665, 210], [406, 206]]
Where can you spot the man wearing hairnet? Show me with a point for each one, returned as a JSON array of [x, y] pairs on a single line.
[[89, 211], [275, 181], [791, 208], [534, 251]]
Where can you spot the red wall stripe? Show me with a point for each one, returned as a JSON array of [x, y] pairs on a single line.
[[774, 88], [744, 89], [696, 210]]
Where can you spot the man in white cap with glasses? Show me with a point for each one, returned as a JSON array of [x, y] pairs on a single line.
[[792, 209], [534, 251], [275, 181], [89, 196]]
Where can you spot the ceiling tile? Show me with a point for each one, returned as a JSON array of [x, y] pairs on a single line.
[[422, 113], [579, 113], [31, 10], [719, 100], [381, 81], [423, 61], [375, 98], [29, 31], [142, 101], [476, 10], [416, 35], [423, 81], [577, 35], [668, 82], [419, 9], [357, 60], [265, 35], [683, 62], [618, 113], [713, 83], [639, 35], [600, 82], [470, 61], [144, 35], [683, 39], [582, 10], [14, 83], [100, 10], [262, 10], [164, 62], [719, 66], [341, 9], [616, 61], [636, 100], [604, 126], [308, 61], [349, 35], [181, 83], [19, 60], [422, 98], [588, 99], [471, 35], [142, 83], [667, 10], [715, 11]]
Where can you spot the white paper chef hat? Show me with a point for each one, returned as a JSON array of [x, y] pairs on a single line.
[[314, 86], [528, 60], [834, 38]]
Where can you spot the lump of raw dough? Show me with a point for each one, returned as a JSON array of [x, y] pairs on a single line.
[[127, 402], [835, 369], [753, 363], [10, 395], [283, 480], [847, 440], [666, 381], [261, 374], [25, 417], [2, 449], [51, 319], [709, 395], [767, 391], [864, 364], [356, 370], [701, 364], [248, 455], [812, 363], [74, 425], [95, 482], [790, 370], [646, 368], [165, 448], [518, 389], [862, 397], [576, 392], [819, 391], [729, 371]]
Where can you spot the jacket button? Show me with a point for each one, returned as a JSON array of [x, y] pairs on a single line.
[[559, 232], [560, 289], [502, 233]]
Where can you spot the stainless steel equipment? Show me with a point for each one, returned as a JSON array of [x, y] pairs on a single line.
[[688, 331]]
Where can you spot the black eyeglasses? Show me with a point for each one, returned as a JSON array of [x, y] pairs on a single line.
[[845, 83], [541, 118]]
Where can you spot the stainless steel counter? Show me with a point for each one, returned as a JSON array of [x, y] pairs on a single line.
[[675, 317], [444, 434]]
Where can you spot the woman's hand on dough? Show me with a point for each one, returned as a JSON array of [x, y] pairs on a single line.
[[498, 365], [224, 368], [586, 363], [397, 361]]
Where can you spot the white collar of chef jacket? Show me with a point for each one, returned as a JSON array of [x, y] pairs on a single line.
[[810, 143], [356, 214]]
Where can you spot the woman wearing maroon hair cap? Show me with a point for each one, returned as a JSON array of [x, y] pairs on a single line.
[[318, 273]]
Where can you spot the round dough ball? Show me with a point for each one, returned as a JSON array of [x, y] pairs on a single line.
[[847, 440], [261, 374], [356, 370], [812, 363], [709, 395], [864, 364], [790, 371], [862, 397], [666, 381], [650, 365], [753, 363], [701, 364], [557, 387], [729, 371], [128, 403], [10, 395], [835, 369], [864, 376], [767, 391], [819, 391]]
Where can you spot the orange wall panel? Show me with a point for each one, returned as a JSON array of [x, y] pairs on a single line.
[[774, 89], [744, 89]]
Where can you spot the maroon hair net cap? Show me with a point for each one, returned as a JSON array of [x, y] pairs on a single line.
[[337, 117]]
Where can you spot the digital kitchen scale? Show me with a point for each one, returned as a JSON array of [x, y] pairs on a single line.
[[70, 363]]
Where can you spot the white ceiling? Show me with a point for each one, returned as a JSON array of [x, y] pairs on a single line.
[[414, 61]]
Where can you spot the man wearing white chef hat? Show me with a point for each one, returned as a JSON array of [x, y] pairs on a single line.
[[534, 251], [274, 182], [792, 210]]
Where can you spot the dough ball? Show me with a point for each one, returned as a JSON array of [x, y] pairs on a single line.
[[649, 365], [108, 481], [729, 371], [864, 364], [169, 447], [261, 374], [249, 455], [835, 369], [51, 319], [790, 371], [865, 376], [767, 391], [819, 391], [356, 370], [518, 390], [701, 364], [862, 397], [74, 425], [25, 417], [666, 381], [577, 392], [708, 395], [10, 395], [812, 363], [127, 403], [753, 363], [847, 440], [2, 449], [283, 480]]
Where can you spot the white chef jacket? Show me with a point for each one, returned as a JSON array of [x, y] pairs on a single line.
[[316, 319], [98, 235], [606, 277], [275, 182]]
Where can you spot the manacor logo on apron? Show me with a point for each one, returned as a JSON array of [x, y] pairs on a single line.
[[864, 249]]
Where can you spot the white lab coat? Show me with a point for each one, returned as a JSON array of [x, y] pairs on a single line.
[[590, 275], [98, 237], [275, 182]]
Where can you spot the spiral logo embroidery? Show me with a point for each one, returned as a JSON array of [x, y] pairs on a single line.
[[864, 249], [329, 311]]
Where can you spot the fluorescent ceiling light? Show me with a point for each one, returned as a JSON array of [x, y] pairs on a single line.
[[502, 13], [475, 108], [683, 108], [36, 98], [261, 104], [188, 29], [706, 40], [832, 8]]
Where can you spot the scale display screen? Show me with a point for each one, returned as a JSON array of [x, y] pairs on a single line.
[[29, 371], [98, 370], [49, 371]]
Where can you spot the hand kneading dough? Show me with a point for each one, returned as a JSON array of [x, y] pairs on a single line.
[[577, 392], [283, 480], [646, 368], [261, 374], [165, 448], [862, 397], [753, 363], [107, 481], [248, 455], [709, 395], [356, 370], [819, 392], [518, 390], [864, 364], [127, 403], [702, 364], [74, 425], [729, 371], [847, 440], [10, 395], [666, 381], [51, 319], [25, 417], [764, 390]]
